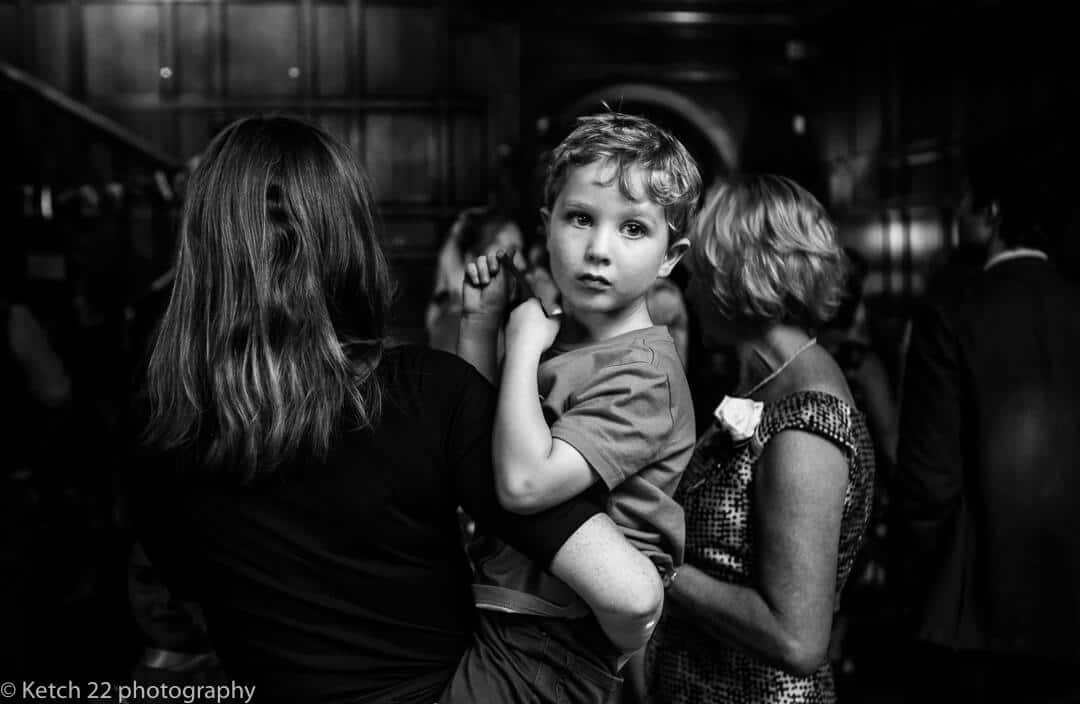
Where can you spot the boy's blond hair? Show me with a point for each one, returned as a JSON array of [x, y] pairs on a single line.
[[672, 177]]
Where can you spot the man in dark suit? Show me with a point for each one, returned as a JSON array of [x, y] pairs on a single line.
[[986, 500]]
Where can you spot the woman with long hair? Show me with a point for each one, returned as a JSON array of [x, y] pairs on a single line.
[[299, 478]]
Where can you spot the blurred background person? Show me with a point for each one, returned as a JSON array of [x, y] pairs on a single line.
[[986, 498], [476, 231]]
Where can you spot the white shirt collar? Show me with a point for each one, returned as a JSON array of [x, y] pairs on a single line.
[[1014, 253]]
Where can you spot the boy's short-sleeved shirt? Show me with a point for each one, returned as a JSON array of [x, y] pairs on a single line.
[[625, 405]]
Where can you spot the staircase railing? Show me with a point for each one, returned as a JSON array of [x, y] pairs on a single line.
[[87, 115]]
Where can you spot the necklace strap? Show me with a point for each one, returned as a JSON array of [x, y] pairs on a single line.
[[776, 372]]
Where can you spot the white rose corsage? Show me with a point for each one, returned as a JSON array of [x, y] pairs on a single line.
[[739, 417]]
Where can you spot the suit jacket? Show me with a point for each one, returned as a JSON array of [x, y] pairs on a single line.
[[986, 501]]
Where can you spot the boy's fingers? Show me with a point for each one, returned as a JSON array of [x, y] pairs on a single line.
[[471, 274], [544, 288], [482, 268], [495, 261]]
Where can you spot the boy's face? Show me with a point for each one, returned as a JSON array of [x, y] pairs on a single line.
[[606, 251]]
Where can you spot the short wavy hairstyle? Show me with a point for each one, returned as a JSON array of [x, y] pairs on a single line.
[[673, 180], [767, 252]]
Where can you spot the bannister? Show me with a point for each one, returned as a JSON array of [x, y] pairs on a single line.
[[87, 115]]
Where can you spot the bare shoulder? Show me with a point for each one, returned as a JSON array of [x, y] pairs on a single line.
[[816, 370]]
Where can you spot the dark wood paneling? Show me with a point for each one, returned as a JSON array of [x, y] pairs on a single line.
[[867, 117], [474, 61], [122, 49], [336, 124], [10, 37], [263, 48], [471, 172], [193, 133], [411, 237], [157, 127], [51, 49], [405, 50], [194, 49], [401, 157], [331, 25]]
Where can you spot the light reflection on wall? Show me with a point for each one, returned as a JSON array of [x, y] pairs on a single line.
[[898, 247]]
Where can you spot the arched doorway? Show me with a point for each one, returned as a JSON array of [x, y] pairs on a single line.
[[704, 132]]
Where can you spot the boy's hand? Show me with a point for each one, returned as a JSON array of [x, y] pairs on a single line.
[[486, 290], [529, 329], [543, 287]]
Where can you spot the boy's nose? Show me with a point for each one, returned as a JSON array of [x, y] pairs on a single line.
[[597, 249]]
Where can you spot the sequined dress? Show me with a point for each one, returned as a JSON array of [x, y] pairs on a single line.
[[684, 664]]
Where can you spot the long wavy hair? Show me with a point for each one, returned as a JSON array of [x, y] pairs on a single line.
[[279, 308]]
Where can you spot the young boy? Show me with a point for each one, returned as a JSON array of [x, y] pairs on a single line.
[[607, 408]]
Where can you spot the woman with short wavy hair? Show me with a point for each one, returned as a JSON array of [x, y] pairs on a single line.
[[778, 494]]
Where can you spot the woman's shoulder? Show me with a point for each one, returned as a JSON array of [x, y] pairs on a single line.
[[428, 370], [821, 407]]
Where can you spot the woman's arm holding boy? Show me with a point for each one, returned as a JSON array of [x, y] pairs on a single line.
[[785, 616], [574, 540]]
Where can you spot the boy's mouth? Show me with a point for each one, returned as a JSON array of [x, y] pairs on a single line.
[[593, 281]]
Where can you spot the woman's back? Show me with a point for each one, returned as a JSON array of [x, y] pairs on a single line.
[[344, 578]]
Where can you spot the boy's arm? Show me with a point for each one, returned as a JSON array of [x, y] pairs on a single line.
[[533, 471], [485, 295], [621, 418], [616, 580]]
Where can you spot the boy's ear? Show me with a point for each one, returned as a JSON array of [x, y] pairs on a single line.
[[675, 251], [545, 220]]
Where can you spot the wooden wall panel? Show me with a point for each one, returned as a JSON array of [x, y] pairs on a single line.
[[122, 49], [405, 48], [331, 24], [193, 133], [867, 178], [869, 105], [10, 35], [51, 60], [418, 236], [471, 171], [194, 49], [337, 124], [420, 99], [263, 46], [157, 126], [402, 157], [474, 58]]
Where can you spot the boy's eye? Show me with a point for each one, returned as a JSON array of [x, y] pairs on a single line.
[[579, 219], [635, 229]]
